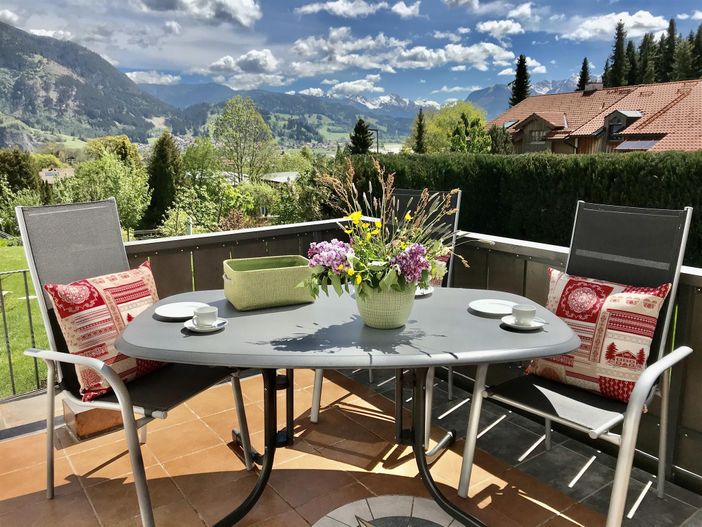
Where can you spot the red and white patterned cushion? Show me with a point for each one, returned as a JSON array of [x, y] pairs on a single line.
[[93, 312], [615, 324]]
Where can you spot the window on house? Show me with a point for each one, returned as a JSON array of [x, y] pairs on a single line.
[[614, 127], [537, 136]]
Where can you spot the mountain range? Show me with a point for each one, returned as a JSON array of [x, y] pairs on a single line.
[[55, 91]]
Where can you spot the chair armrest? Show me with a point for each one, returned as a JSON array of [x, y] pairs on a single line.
[[650, 375], [114, 380]]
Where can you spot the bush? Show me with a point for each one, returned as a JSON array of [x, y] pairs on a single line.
[[533, 196]]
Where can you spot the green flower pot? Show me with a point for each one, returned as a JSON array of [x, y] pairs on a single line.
[[386, 309]]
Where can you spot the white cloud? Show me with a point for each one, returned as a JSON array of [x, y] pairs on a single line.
[[330, 82], [253, 62], [249, 81], [422, 81], [461, 67], [506, 71], [314, 92], [456, 89], [290, 92], [343, 8], [428, 103], [602, 27], [682, 16], [463, 30], [368, 84], [8, 17], [497, 6], [534, 67], [153, 77], [172, 27], [58, 34], [696, 15], [522, 10], [406, 10], [451, 37], [500, 29], [243, 12], [109, 59]]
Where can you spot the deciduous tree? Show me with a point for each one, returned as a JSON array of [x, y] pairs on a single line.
[[17, 168], [244, 138]]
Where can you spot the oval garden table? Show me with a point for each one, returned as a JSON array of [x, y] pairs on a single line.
[[329, 333]]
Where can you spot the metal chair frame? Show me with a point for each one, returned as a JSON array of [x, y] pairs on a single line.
[[134, 429], [642, 394]]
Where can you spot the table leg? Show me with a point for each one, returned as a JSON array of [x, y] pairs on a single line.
[[271, 442], [476, 405], [418, 402]]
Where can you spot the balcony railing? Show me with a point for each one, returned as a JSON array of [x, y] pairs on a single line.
[[194, 262]]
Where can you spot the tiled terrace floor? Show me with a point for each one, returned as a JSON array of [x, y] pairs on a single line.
[[195, 479]]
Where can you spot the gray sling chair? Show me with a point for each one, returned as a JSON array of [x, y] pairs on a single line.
[[634, 246], [64, 243], [406, 199]]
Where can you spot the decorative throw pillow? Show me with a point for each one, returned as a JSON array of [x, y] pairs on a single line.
[[93, 312], [615, 324]]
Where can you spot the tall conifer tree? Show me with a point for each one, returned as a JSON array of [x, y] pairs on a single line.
[[361, 138], [667, 63], [419, 145], [521, 86], [618, 58], [584, 77], [632, 61], [165, 170]]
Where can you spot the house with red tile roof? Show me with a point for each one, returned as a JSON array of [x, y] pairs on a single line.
[[646, 117]]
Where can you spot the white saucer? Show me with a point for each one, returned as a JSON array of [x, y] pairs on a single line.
[[191, 326], [536, 323], [424, 292], [178, 310], [493, 307]]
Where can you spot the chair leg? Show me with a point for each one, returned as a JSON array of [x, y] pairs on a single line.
[[316, 395], [137, 461], [429, 397], [243, 423], [371, 377], [663, 433], [50, 395], [622, 473], [450, 383], [472, 430], [142, 435], [547, 434]]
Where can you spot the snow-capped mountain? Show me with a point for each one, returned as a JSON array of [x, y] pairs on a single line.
[[561, 86]]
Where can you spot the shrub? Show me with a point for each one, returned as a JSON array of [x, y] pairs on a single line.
[[533, 196]]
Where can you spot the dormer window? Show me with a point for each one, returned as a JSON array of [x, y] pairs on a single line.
[[616, 124]]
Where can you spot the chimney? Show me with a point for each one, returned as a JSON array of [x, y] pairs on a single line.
[[593, 86]]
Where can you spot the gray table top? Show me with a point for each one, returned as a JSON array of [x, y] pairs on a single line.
[[329, 333]]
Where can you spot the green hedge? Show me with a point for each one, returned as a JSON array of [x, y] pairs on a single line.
[[533, 196]]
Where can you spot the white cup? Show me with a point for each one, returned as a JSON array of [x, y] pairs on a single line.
[[205, 316], [523, 314]]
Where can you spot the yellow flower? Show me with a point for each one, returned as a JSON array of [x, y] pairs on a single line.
[[378, 224], [358, 279], [340, 267], [403, 246], [375, 231], [355, 217], [349, 271], [367, 236], [408, 217], [348, 231], [364, 225]]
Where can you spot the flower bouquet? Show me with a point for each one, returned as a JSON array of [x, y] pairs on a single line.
[[391, 250]]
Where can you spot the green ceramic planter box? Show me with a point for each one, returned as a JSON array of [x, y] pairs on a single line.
[[269, 281]]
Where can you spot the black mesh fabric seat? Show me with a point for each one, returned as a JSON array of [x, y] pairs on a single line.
[[562, 401], [169, 386]]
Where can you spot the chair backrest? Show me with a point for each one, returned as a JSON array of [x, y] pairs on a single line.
[[632, 246], [64, 243], [407, 199]]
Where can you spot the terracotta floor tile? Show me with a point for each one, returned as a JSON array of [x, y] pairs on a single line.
[[303, 378], [31, 482], [306, 477], [178, 415], [67, 445], [24, 451], [389, 484], [284, 454], [213, 503], [287, 519], [333, 427], [115, 500], [107, 461], [315, 509], [206, 468], [176, 514], [223, 422], [333, 393], [216, 399], [181, 440], [301, 407], [252, 388], [66, 511], [368, 454]]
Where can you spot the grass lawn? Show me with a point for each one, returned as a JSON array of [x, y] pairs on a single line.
[[18, 333]]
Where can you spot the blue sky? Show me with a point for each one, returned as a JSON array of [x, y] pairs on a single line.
[[419, 49]]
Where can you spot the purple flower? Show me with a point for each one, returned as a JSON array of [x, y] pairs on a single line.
[[411, 262], [333, 255]]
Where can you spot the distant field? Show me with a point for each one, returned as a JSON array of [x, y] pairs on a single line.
[[17, 323]]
